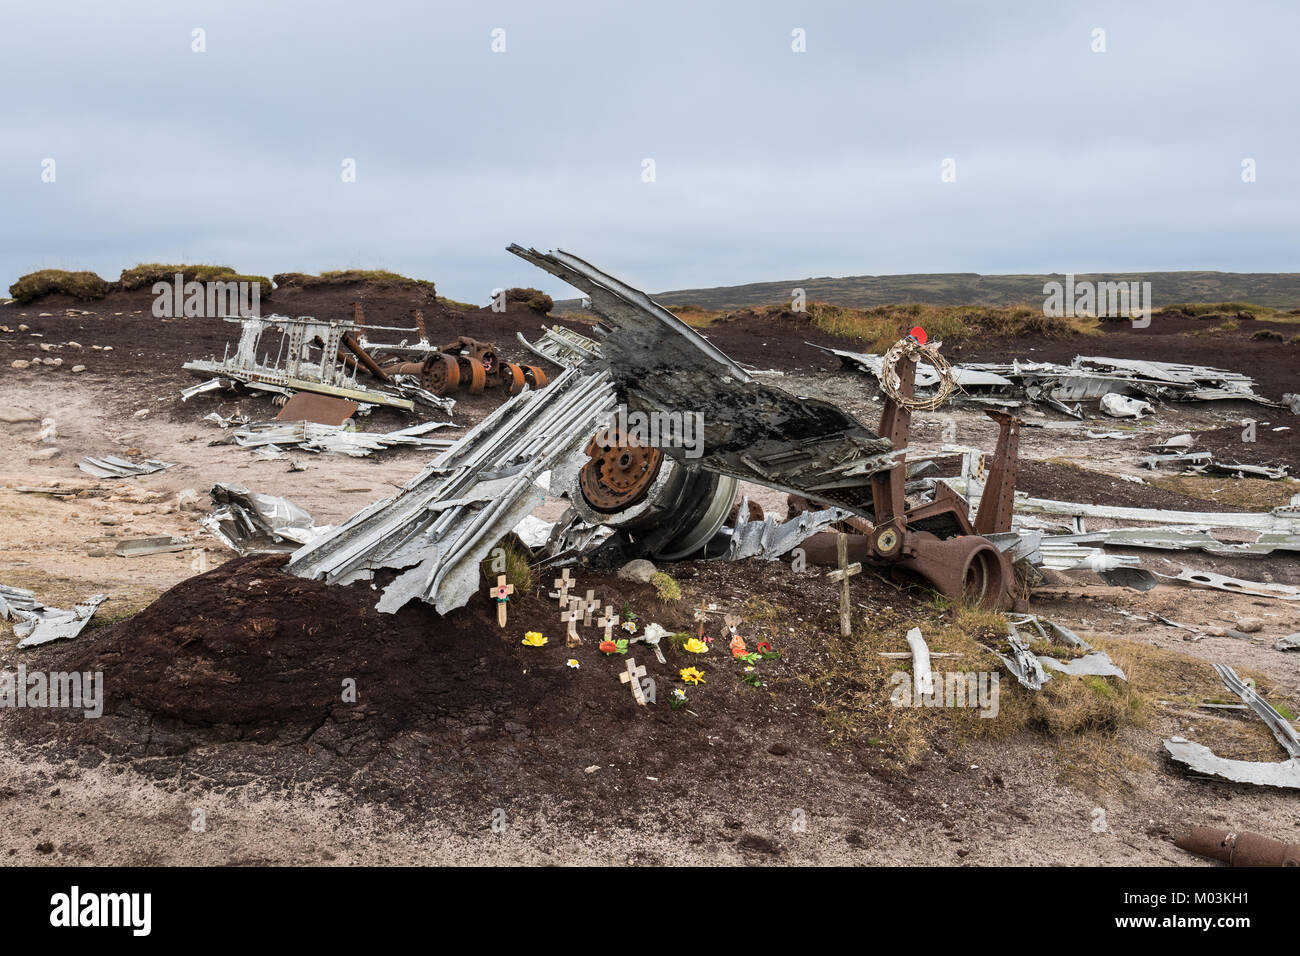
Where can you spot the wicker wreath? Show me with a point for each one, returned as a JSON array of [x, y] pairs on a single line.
[[891, 383]]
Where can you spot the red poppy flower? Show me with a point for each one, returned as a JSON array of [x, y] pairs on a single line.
[[764, 647]]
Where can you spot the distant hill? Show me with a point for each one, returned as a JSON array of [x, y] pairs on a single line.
[[1279, 290]]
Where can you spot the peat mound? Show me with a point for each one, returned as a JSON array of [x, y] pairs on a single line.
[[240, 674]]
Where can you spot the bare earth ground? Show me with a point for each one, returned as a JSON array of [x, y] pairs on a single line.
[[471, 724]]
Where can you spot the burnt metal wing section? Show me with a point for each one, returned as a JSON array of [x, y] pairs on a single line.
[[751, 430]]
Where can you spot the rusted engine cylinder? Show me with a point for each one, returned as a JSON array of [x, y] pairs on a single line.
[[670, 509], [1239, 848]]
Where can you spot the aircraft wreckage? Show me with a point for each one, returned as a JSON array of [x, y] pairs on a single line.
[[668, 501]]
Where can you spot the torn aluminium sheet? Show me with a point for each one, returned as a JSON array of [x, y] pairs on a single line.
[[771, 537], [1202, 760], [334, 439], [40, 625], [1221, 582], [1030, 669], [13, 600], [1278, 725], [253, 523], [446, 519], [112, 467]]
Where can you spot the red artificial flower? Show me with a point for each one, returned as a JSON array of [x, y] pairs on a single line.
[[764, 647], [609, 647]]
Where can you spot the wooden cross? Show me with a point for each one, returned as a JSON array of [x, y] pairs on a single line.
[[609, 621], [562, 584], [571, 617], [589, 607], [500, 592], [633, 676], [845, 572]]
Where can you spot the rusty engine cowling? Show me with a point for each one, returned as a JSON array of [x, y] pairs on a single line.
[[1239, 848], [670, 509]]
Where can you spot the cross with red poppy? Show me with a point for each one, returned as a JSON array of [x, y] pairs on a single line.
[[500, 592]]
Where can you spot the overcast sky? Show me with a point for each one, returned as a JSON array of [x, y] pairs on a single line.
[[769, 164]]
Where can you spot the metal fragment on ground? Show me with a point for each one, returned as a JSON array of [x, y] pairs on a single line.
[[1121, 406], [1278, 725], [1285, 519], [336, 439], [1200, 759], [16, 599], [111, 466], [41, 625], [1086, 378], [1023, 663], [771, 537], [253, 523], [1221, 582], [158, 544], [1097, 664], [922, 676]]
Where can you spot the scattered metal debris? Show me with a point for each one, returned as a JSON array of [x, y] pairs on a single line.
[[562, 346], [1284, 519], [1028, 667], [335, 439], [1087, 378], [1264, 773], [1184, 539], [253, 523], [111, 466]]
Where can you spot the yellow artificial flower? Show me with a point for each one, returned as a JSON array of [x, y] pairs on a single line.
[[534, 639], [695, 646], [692, 675]]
